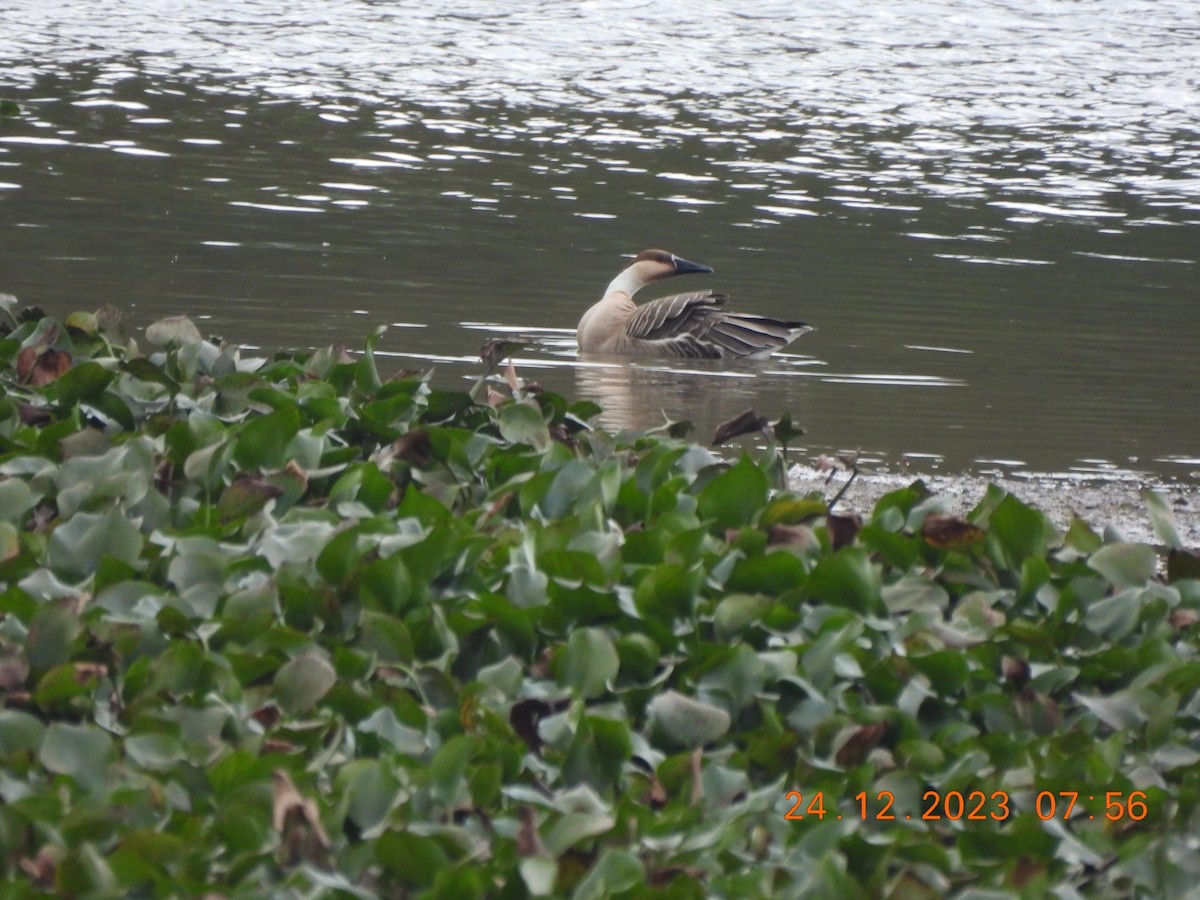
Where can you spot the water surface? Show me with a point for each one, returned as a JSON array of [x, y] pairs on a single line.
[[990, 210]]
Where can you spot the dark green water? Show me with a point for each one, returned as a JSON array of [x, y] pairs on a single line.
[[996, 232]]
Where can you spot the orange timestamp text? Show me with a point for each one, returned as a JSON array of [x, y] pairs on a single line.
[[973, 806]]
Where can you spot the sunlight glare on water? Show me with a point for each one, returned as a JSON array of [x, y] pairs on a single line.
[[991, 210]]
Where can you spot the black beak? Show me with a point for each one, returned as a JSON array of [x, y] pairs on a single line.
[[685, 267]]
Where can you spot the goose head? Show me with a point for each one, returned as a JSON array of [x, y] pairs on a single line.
[[650, 266]]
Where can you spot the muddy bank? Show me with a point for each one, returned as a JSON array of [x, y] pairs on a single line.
[[1104, 502]]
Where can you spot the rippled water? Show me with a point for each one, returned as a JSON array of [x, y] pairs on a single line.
[[991, 210]]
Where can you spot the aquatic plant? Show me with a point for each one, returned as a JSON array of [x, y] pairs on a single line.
[[283, 627]]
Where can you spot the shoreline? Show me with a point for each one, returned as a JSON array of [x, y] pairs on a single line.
[[1106, 503]]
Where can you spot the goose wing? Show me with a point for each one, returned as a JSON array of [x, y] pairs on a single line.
[[695, 325], [669, 317]]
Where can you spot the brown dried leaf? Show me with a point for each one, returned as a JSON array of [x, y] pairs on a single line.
[[400, 375], [1182, 564], [951, 533], [85, 672], [267, 716], [1026, 871], [826, 463], [696, 763], [164, 474], [108, 318], [1015, 671], [497, 350], [291, 472], [784, 430], [50, 365], [656, 796], [859, 744], [414, 448], [1038, 712], [43, 868], [524, 718], [298, 821], [800, 537], [529, 842], [14, 669], [1183, 618], [493, 510], [34, 415], [246, 496], [39, 365], [662, 878], [842, 529], [747, 423]]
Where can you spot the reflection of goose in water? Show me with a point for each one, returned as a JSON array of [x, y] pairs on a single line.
[[638, 394], [683, 325]]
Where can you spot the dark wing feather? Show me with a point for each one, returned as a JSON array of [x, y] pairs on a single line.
[[695, 325], [669, 317]]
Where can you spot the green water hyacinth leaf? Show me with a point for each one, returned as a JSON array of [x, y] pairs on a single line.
[[144, 370], [76, 547], [16, 499], [735, 613], [173, 331], [80, 751], [588, 662], [847, 578], [675, 721], [262, 442], [245, 497], [158, 752], [598, 754], [83, 323], [402, 738], [10, 542], [1021, 530], [1081, 537], [65, 688], [575, 827], [539, 874], [771, 573], [411, 859], [789, 510], [1125, 565], [616, 872], [82, 383], [1119, 711], [370, 791], [639, 657], [386, 584], [736, 496], [51, 633], [301, 683], [667, 592], [20, 733], [208, 465], [522, 423], [1162, 519], [448, 768]]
